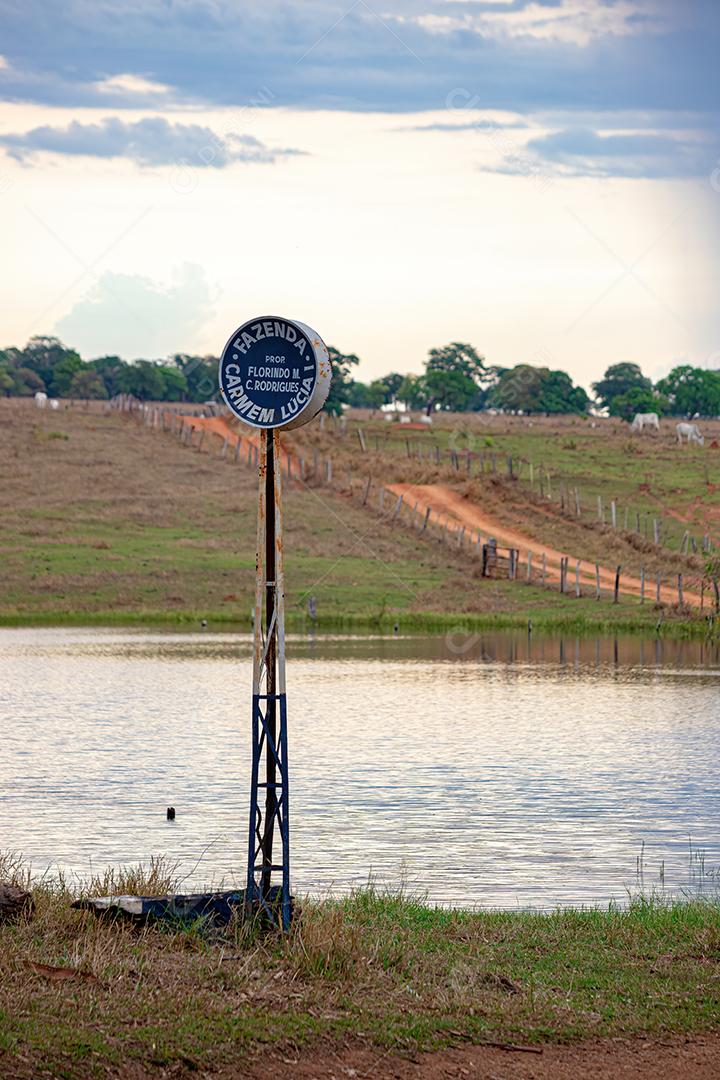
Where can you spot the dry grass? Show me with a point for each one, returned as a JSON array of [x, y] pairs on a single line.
[[384, 968], [114, 522]]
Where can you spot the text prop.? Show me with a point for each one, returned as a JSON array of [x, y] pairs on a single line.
[[275, 373]]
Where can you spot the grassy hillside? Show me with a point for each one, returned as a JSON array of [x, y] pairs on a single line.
[[106, 519]]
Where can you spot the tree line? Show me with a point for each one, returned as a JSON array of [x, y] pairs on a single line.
[[455, 378]]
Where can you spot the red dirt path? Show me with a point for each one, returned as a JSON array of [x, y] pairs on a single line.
[[443, 502], [672, 1058]]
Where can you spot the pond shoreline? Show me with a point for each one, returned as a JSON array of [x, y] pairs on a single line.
[[655, 623]]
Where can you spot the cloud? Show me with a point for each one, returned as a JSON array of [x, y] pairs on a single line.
[[481, 125], [583, 152], [334, 54], [127, 84], [526, 57], [134, 316], [152, 141]]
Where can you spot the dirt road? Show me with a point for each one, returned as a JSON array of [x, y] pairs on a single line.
[[672, 1058], [449, 506]]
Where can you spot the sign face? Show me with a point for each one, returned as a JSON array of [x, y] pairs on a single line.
[[275, 373]]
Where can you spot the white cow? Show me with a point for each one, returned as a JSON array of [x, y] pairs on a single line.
[[40, 399], [644, 420], [690, 432], [54, 403]]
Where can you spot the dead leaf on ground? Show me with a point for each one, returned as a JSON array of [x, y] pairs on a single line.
[[62, 974]]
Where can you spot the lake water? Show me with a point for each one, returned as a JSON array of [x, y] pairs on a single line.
[[480, 769]]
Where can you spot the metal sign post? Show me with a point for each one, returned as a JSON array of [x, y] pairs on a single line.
[[269, 703], [274, 374]]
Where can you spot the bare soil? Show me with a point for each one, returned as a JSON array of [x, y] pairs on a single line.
[[444, 502], [640, 1059]]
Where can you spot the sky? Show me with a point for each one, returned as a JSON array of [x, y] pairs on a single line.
[[540, 178]]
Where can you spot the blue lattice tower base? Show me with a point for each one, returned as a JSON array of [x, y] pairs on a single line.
[[268, 874], [269, 740]]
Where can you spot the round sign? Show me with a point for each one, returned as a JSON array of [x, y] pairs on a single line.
[[275, 373]]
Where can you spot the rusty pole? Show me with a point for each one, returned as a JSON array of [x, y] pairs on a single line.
[[269, 720]]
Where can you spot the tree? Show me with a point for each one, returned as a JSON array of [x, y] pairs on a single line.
[[64, 373], [619, 379], [109, 368], [340, 387], [200, 374], [44, 354], [144, 380], [453, 376], [367, 395], [529, 389], [691, 391], [392, 384], [637, 400], [15, 380], [175, 383], [413, 392], [7, 382], [558, 395], [87, 384]]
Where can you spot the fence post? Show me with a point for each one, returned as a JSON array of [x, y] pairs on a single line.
[[381, 499], [597, 581], [425, 520], [642, 584], [680, 590], [601, 512], [361, 440], [577, 502], [656, 531], [544, 566], [577, 578], [613, 514], [658, 581], [328, 471], [717, 595], [396, 511], [529, 566], [617, 585], [366, 492]]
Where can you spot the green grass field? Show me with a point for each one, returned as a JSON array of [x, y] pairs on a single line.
[[384, 968], [107, 521]]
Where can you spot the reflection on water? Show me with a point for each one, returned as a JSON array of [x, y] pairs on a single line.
[[488, 769]]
